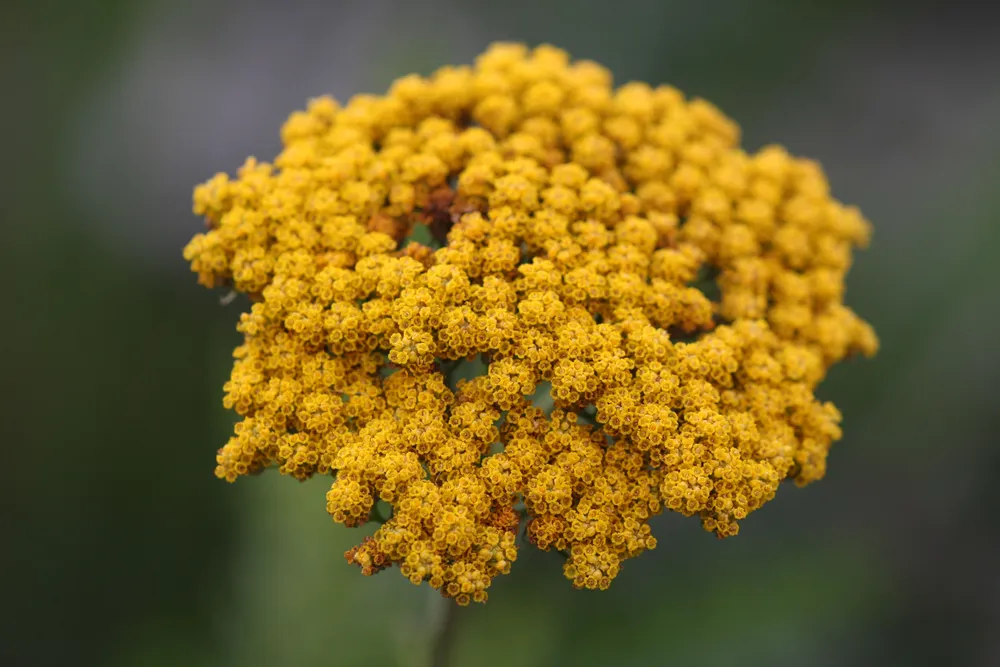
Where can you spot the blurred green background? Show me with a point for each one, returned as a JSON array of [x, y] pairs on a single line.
[[122, 550]]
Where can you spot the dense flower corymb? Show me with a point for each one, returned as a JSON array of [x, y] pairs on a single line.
[[679, 298]]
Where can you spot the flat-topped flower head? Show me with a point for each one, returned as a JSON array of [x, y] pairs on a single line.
[[679, 298]]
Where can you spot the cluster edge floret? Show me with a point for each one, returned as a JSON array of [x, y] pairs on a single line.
[[680, 298]]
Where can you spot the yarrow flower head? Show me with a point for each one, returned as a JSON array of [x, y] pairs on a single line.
[[678, 298]]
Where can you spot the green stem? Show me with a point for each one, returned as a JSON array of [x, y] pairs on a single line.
[[588, 416], [376, 514], [444, 639]]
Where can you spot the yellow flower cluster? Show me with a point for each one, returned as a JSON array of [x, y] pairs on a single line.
[[681, 297]]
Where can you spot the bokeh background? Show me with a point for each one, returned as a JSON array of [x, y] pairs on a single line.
[[120, 549]]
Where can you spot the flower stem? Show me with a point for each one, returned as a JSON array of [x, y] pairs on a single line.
[[445, 638], [377, 515]]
